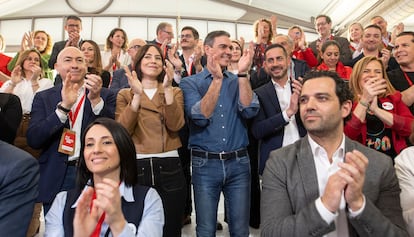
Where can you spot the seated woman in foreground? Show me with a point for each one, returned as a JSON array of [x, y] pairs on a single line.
[[107, 171]]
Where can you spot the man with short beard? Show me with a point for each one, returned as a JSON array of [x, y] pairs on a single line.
[[277, 123], [372, 46], [326, 184], [402, 78], [217, 104]]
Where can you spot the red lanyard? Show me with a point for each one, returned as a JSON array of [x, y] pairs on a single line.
[[98, 227], [72, 116], [407, 78]]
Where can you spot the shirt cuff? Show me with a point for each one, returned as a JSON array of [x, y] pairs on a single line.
[[285, 116], [177, 78], [98, 107], [62, 116], [326, 215], [356, 213]]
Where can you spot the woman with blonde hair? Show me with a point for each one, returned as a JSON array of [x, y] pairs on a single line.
[[355, 31], [301, 51], [41, 41], [380, 119]]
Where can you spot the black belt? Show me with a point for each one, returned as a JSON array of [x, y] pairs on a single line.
[[221, 155], [72, 162]]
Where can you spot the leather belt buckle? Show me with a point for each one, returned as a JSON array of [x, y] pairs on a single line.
[[221, 155]]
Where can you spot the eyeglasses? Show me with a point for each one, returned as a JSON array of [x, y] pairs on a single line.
[[73, 26], [188, 36], [321, 24], [168, 32], [135, 47]]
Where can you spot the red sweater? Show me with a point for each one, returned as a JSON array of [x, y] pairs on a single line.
[[401, 128], [306, 56], [343, 71]]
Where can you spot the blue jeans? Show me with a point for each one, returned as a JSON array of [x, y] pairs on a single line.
[[210, 177]]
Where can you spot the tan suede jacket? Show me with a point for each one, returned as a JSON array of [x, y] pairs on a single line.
[[154, 128]]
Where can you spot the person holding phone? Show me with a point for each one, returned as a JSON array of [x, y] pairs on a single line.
[[301, 51]]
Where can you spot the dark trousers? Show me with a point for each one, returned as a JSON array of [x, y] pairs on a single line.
[[185, 158], [166, 176]]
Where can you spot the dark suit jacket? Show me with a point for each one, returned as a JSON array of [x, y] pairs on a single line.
[[45, 131], [269, 125], [57, 47], [119, 80], [399, 82], [346, 53], [392, 63], [10, 116], [260, 78], [19, 176], [290, 188]]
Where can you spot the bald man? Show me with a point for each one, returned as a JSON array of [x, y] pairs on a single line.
[[59, 115], [119, 80]]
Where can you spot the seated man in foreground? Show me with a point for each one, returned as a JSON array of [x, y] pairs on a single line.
[[326, 184]]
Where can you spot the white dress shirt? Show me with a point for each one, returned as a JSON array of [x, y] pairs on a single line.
[[324, 169], [24, 91], [291, 132], [404, 167]]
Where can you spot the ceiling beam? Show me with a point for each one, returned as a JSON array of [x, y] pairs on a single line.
[[283, 20]]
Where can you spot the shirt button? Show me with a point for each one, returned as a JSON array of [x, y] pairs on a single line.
[[222, 115], [222, 126], [224, 139]]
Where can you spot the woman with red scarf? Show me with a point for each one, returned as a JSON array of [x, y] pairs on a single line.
[[330, 53]]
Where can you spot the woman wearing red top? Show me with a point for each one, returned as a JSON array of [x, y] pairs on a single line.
[[380, 119], [301, 51], [330, 60], [4, 60]]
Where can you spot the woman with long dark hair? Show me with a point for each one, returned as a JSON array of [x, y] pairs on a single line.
[[152, 112], [107, 199]]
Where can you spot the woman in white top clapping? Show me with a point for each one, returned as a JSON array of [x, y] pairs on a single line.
[[115, 55]]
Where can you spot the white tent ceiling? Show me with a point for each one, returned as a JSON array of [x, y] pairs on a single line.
[[300, 12]]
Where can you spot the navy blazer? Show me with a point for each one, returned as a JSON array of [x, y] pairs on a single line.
[[260, 77], [45, 131], [119, 80], [19, 176], [269, 125]]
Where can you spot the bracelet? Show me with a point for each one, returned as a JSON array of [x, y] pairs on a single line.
[[61, 108], [366, 105], [242, 75]]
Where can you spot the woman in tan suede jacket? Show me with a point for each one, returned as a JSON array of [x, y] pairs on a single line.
[[152, 112]]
